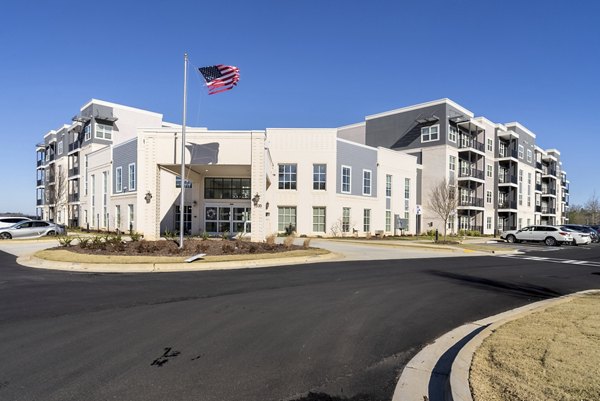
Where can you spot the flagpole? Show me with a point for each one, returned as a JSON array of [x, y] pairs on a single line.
[[181, 203]]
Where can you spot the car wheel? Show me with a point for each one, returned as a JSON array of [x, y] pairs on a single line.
[[511, 239], [574, 243], [5, 236], [550, 241], [51, 233]]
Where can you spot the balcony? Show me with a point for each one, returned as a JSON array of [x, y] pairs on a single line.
[[538, 187], [538, 165], [507, 179], [471, 144], [471, 173], [471, 202], [39, 202], [507, 205], [40, 162], [74, 197], [538, 209], [50, 178], [74, 146], [548, 192], [39, 182], [509, 153], [74, 171], [547, 210]]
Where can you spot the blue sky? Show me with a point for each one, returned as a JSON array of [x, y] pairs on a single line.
[[303, 64]]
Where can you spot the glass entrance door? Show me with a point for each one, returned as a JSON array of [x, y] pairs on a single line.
[[187, 219], [231, 219]]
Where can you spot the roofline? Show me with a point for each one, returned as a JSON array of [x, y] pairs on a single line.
[[553, 151], [355, 125], [420, 106], [50, 133], [357, 144], [118, 106], [521, 127]]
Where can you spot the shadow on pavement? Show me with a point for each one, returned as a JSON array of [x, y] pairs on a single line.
[[519, 289]]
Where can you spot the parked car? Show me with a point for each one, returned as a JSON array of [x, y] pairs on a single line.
[[548, 234], [579, 237], [586, 229], [7, 221], [32, 228]]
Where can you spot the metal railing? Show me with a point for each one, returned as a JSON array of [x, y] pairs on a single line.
[[74, 197], [538, 187], [39, 202], [472, 173], [74, 171], [538, 209], [475, 202], [507, 179], [507, 205], [538, 165], [547, 210], [509, 153], [471, 144], [548, 191]]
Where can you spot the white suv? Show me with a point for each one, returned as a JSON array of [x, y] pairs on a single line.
[[7, 221], [549, 235]]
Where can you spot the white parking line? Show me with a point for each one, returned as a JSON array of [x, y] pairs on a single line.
[[552, 260]]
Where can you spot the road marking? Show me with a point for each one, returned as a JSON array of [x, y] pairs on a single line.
[[552, 260]]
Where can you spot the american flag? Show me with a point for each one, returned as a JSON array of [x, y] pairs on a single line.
[[220, 78]]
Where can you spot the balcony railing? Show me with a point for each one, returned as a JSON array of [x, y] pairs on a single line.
[[538, 187], [538, 165], [548, 210], [74, 171], [40, 162], [39, 202], [50, 178], [472, 173], [474, 202], [507, 205], [74, 197], [507, 179], [548, 191], [538, 209], [509, 153], [471, 144], [40, 182], [73, 146]]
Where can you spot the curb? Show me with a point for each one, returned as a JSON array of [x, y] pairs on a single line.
[[38, 263], [440, 371], [432, 247]]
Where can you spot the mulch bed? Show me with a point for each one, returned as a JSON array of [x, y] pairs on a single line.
[[171, 248]]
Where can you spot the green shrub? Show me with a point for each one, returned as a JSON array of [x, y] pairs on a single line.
[[83, 242], [65, 241], [135, 236]]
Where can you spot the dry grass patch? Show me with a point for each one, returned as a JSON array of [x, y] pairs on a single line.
[[551, 355]]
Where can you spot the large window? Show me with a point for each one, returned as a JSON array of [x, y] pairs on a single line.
[[529, 155], [431, 133], [488, 197], [60, 147], [521, 151], [319, 220], [407, 188], [346, 219], [388, 220], [103, 131], [367, 220], [452, 163], [187, 218], [367, 182], [286, 217], [87, 130], [388, 185], [132, 177], [227, 188], [346, 179], [319, 176], [287, 176], [118, 217], [452, 133], [119, 179]]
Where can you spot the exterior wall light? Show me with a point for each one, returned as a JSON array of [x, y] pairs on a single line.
[[148, 197], [256, 199]]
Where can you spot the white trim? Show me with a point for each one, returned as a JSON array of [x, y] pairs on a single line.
[[360, 145], [429, 127], [521, 152], [342, 180], [355, 125], [119, 179], [420, 106], [370, 182], [129, 186], [521, 127], [118, 106], [455, 134]]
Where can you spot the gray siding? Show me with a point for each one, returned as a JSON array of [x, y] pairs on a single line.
[[528, 143], [354, 134], [96, 112], [358, 158], [123, 156]]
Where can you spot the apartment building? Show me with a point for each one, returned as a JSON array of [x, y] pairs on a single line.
[[118, 168]]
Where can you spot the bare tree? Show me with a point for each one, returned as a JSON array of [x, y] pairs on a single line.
[[592, 207], [443, 202], [57, 193]]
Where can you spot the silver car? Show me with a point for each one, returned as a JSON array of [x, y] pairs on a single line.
[[32, 228]]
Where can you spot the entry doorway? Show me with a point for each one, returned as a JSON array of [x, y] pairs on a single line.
[[232, 219], [187, 219]]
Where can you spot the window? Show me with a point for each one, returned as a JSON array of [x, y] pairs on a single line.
[[105, 198], [452, 163], [118, 217], [319, 219], [346, 219], [388, 220], [93, 200], [287, 176], [103, 131], [87, 130], [130, 216], [367, 220], [188, 183], [452, 133], [521, 151], [529, 155], [489, 223], [227, 188], [488, 197], [407, 188], [388, 185], [319, 176], [119, 179], [490, 170], [367, 182], [490, 145], [286, 217], [429, 134], [346, 179], [60, 147], [132, 177]]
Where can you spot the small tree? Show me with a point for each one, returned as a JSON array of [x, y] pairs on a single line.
[[57, 193], [443, 202]]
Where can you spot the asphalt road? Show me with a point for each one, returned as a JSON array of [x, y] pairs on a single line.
[[309, 332]]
